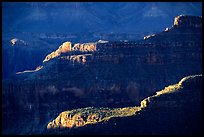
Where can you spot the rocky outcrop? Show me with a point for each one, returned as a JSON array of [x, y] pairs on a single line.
[[26, 71], [84, 116], [79, 58], [84, 47], [65, 47], [184, 21], [184, 27], [13, 41]]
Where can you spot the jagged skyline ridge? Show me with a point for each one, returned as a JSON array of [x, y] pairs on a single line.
[[89, 17]]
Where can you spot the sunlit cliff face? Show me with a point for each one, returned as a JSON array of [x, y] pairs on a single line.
[[90, 115], [84, 116], [67, 48], [84, 47], [187, 21]]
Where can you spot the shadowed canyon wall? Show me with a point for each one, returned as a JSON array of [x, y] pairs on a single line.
[[104, 74]]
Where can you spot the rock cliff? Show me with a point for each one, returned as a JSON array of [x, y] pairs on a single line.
[[184, 21], [183, 28], [66, 47], [166, 98], [117, 73], [104, 74]]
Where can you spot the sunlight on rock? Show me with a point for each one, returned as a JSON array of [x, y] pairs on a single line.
[[187, 21], [167, 29], [26, 71], [13, 41], [90, 115], [84, 47], [102, 41], [146, 37], [65, 47], [83, 116]]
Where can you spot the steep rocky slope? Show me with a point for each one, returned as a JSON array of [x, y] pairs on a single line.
[[175, 99]]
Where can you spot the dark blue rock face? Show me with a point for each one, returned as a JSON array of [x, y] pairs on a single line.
[[118, 74]]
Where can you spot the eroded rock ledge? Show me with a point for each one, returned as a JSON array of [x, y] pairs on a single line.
[[84, 116], [67, 47]]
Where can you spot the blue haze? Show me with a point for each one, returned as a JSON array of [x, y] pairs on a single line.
[[93, 17]]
